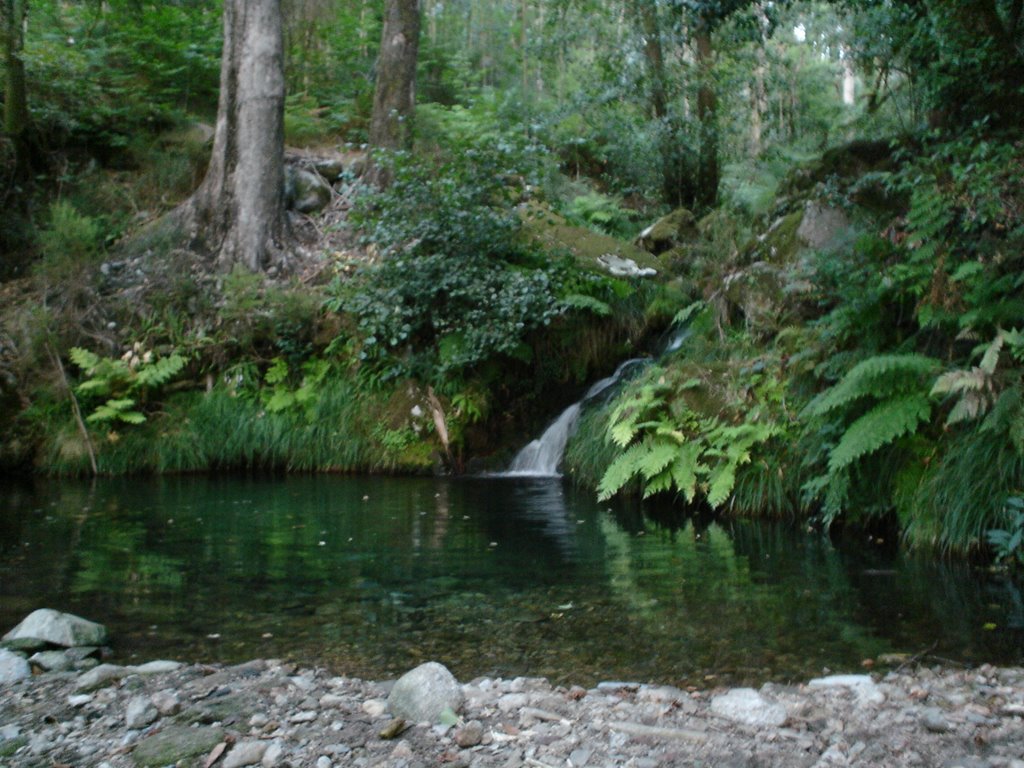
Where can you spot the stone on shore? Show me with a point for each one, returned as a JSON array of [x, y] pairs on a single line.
[[49, 627], [140, 713], [13, 667], [100, 677], [174, 743], [246, 753], [422, 694], [747, 706], [51, 661]]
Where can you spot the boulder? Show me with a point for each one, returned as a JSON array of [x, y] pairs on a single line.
[[821, 224], [621, 267], [100, 677], [48, 627], [13, 667], [669, 231], [52, 661], [747, 706], [329, 167], [422, 694], [305, 191]]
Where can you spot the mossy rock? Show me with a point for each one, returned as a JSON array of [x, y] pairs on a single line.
[[780, 244], [548, 230], [670, 231], [9, 746], [176, 743]]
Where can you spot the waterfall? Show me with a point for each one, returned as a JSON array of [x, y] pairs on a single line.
[[541, 457]]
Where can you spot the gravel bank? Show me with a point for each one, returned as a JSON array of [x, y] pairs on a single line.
[[270, 713]]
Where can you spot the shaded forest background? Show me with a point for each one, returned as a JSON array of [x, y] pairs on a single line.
[[835, 188]]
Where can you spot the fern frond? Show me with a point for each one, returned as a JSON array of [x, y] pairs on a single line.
[[880, 426], [657, 457], [160, 371], [621, 471], [881, 377], [84, 359], [685, 469], [587, 303], [720, 483]]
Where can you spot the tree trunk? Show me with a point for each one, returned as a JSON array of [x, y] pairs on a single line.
[[707, 116], [238, 212], [394, 97], [758, 92], [16, 117]]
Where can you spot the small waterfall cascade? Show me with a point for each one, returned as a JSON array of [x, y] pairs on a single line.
[[541, 457]]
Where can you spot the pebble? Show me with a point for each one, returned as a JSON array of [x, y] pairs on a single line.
[[140, 712], [925, 716]]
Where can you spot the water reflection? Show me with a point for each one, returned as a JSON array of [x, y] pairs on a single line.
[[491, 576]]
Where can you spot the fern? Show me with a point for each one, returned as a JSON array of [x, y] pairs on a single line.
[[161, 371], [588, 303], [880, 426], [880, 377]]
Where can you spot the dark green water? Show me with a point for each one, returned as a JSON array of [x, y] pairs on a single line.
[[369, 576]]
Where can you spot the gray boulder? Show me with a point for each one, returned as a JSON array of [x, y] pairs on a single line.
[[13, 667], [52, 661], [673, 229], [422, 694], [48, 627], [140, 713], [330, 168], [305, 191], [821, 225]]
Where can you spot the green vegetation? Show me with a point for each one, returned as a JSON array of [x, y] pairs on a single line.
[[826, 199]]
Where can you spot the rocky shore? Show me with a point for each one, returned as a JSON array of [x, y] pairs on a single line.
[[61, 707], [271, 713]]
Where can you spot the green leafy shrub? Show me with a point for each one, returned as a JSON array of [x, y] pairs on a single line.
[[1008, 543], [69, 244]]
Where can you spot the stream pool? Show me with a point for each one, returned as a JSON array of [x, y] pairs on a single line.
[[498, 576]]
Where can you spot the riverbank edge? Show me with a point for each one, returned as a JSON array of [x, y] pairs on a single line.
[[273, 713]]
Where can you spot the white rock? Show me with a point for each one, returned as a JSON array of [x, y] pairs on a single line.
[[747, 706], [422, 694], [51, 661], [246, 753], [157, 667], [47, 626], [866, 690], [13, 667], [140, 713], [375, 707], [323, 762], [80, 700], [307, 716], [330, 700], [272, 757], [166, 702]]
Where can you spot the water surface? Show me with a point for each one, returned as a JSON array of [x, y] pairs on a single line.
[[370, 576]]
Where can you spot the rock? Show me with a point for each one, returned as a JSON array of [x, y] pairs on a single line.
[[13, 667], [331, 701], [79, 700], [620, 267], [101, 676], [166, 702], [51, 661], [48, 627], [323, 762], [933, 720], [140, 713], [669, 231], [272, 757], [330, 168], [747, 706], [821, 224], [305, 191], [174, 743], [579, 757], [82, 652], [246, 753], [470, 735], [307, 716], [161, 667], [422, 694], [375, 707], [863, 686]]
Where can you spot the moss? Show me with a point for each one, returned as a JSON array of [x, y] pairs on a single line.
[[548, 230], [671, 230], [780, 244]]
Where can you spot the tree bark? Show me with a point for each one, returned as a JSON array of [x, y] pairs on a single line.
[[394, 98], [708, 172], [16, 116], [238, 212]]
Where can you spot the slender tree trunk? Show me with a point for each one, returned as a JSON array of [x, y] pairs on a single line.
[[708, 172], [16, 117], [758, 92], [238, 212], [394, 98]]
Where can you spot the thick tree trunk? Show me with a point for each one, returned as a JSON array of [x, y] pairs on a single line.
[[238, 212], [16, 117], [394, 97], [707, 115]]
